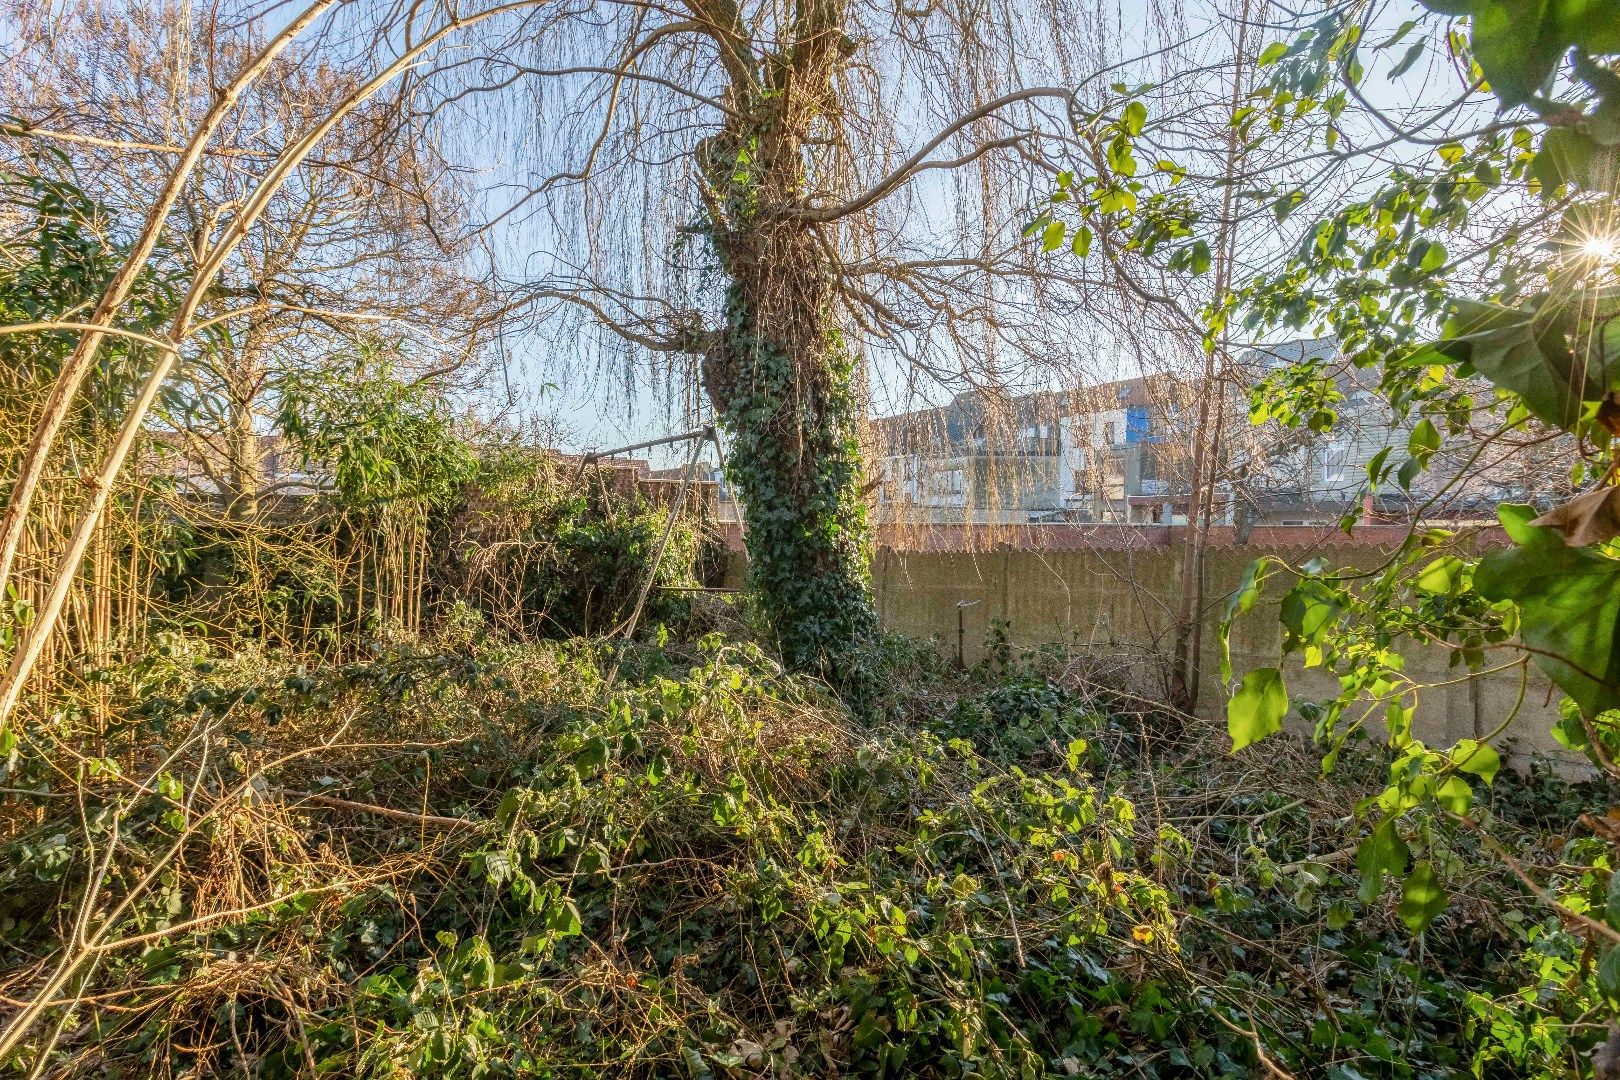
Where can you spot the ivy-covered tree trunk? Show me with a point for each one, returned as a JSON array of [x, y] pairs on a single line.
[[788, 403], [780, 376]]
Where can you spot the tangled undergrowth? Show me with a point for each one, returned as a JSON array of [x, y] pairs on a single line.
[[473, 858]]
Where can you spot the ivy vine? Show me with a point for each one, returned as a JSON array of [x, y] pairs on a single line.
[[782, 378]]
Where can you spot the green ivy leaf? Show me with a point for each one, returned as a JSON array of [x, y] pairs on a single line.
[[1476, 758], [1455, 795], [1569, 605], [1115, 199], [563, 919], [1258, 707], [1569, 732], [1591, 25], [1306, 610], [1563, 154], [1518, 352], [1413, 51], [1284, 205], [1608, 974], [1381, 852], [1081, 245], [1422, 897], [592, 755], [1568, 156], [1514, 50], [1075, 754], [1398, 36], [1408, 472], [1433, 258], [1443, 577], [1052, 236], [1135, 118], [1424, 440], [1398, 724], [1198, 258], [1375, 466], [1120, 157], [1241, 602]]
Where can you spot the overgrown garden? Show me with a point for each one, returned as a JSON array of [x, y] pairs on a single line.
[[352, 729]]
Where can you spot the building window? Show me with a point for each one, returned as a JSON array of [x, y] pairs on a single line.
[[1336, 462], [1035, 437], [1136, 423], [898, 473], [945, 482]]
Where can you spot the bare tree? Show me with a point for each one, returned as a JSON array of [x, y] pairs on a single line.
[[364, 236], [408, 41], [778, 200]]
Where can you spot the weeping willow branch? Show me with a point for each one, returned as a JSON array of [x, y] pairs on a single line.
[[919, 162]]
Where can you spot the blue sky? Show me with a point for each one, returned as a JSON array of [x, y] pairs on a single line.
[[615, 407]]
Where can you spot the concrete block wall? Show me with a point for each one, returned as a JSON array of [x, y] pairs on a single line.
[[1124, 599]]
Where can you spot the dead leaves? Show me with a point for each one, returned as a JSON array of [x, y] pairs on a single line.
[[1608, 414], [1587, 519]]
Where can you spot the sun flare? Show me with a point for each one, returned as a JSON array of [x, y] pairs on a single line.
[[1601, 247]]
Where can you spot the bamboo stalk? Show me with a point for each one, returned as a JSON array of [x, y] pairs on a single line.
[[30, 649], [78, 366]]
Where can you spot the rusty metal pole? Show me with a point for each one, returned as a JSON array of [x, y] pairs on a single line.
[[961, 632]]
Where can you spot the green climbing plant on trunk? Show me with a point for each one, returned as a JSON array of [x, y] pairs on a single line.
[[796, 464], [779, 373]]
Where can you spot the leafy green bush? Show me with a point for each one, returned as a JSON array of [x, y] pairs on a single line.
[[599, 560], [1019, 719], [554, 555]]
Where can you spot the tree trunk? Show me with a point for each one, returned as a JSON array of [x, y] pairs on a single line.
[[787, 400], [244, 463], [1209, 462], [781, 378]]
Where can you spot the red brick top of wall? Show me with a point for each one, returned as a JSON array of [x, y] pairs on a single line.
[[967, 537]]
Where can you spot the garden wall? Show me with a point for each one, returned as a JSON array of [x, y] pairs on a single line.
[[1119, 602]]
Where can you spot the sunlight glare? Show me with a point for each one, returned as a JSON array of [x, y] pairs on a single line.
[[1601, 247]]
